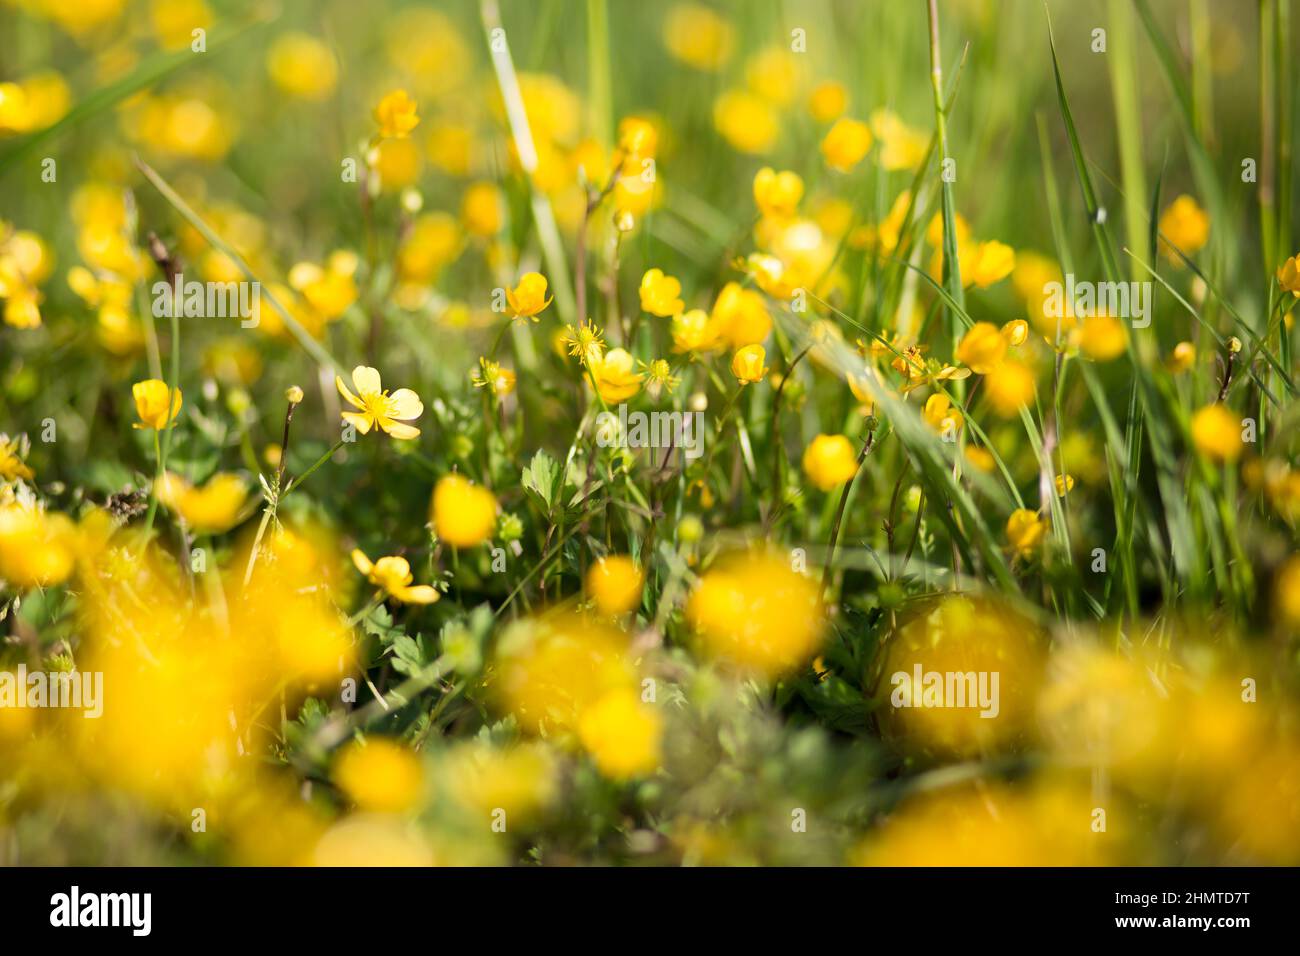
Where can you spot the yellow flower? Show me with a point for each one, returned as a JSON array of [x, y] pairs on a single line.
[[777, 194], [528, 298], [622, 735], [1182, 358], [981, 459], [11, 465], [827, 101], [741, 316], [659, 376], [37, 549], [746, 121], [1025, 531], [901, 147], [698, 37], [984, 263], [1287, 591], [331, 290], [1186, 225], [747, 364], [757, 614], [614, 375], [661, 294], [380, 775], [1102, 337], [392, 575], [152, 403], [302, 66], [982, 347], [1009, 387], [212, 509], [497, 380], [584, 343], [941, 416], [463, 514], [377, 408], [846, 143], [396, 115], [1288, 276], [637, 137], [695, 331], [1216, 432], [829, 461], [1015, 332], [480, 209], [1064, 484], [614, 583]]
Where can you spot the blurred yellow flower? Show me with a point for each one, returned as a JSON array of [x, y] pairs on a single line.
[[11, 464], [380, 775], [375, 407], [747, 364], [1009, 387], [901, 147], [528, 299], [1216, 432], [746, 121], [463, 514], [37, 548], [661, 294], [492, 376], [392, 575], [1286, 592], [211, 509], [741, 316], [985, 263], [698, 37], [1288, 276], [695, 331], [302, 66], [1025, 530], [777, 194], [481, 209], [621, 734], [1064, 484], [584, 343], [1102, 337], [331, 290], [755, 613], [846, 143], [828, 101], [829, 461], [982, 347], [156, 404], [1186, 225], [396, 115], [614, 583], [940, 414]]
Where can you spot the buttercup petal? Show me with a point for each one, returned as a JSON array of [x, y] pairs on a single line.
[[361, 561], [400, 430], [366, 380], [347, 393], [362, 423], [405, 404]]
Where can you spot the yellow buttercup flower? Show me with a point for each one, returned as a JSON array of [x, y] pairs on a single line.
[[11, 464], [1288, 276], [1025, 531], [747, 364], [615, 375], [1287, 591], [695, 331], [637, 137], [622, 734], [982, 347], [463, 514], [380, 775], [155, 403], [985, 263], [528, 299], [828, 100], [1102, 337], [481, 209], [37, 548], [939, 414], [777, 194], [211, 509], [492, 376], [758, 615], [396, 115], [1009, 387], [1182, 358], [901, 147], [1216, 432], [846, 143], [1186, 225], [1015, 332], [1064, 484], [375, 407], [741, 315], [584, 343], [659, 377], [614, 584], [661, 294], [331, 290], [829, 461], [392, 575]]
